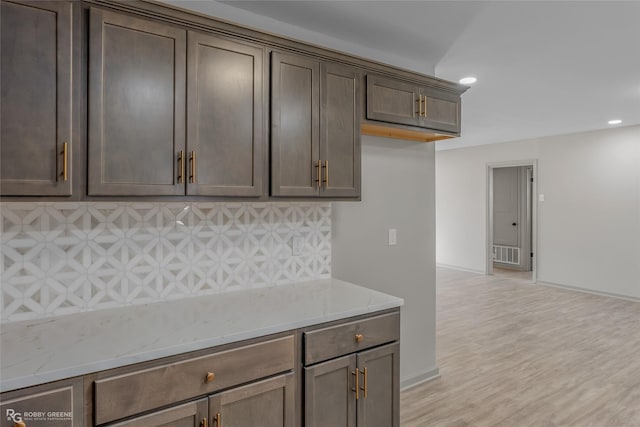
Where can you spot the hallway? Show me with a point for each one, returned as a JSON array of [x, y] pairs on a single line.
[[512, 354]]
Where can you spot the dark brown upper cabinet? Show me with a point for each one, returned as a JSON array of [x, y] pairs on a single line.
[[394, 101], [136, 106], [315, 132], [225, 136], [36, 120]]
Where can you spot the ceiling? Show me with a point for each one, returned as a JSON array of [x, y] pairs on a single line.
[[543, 67]]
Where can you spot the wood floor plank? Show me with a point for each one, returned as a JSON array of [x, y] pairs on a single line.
[[513, 354]]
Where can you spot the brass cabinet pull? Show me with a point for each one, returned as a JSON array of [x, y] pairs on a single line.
[[364, 381], [326, 174], [203, 423], [65, 161], [419, 112], [318, 168], [357, 389], [192, 161], [181, 167], [210, 377], [424, 110], [218, 420], [359, 337]]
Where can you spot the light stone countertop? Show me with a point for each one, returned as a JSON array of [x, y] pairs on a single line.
[[38, 351]]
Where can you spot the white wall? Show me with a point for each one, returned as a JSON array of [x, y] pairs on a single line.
[[397, 192], [588, 225], [226, 12]]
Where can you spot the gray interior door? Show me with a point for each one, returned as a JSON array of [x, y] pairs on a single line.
[[35, 123], [506, 206], [512, 217], [330, 393]]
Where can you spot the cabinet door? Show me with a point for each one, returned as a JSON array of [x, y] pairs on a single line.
[[224, 117], [268, 403], [35, 123], [329, 398], [441, 110], [392, 101], [340, 131], [295, 82], [192, 414], [58, 404], [378, 405], [136, 106]]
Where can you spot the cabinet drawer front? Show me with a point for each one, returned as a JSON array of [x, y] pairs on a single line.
[[128, 394], [334, 341]]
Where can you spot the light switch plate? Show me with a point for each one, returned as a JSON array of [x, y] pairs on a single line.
[[393, 237], [541, 197]]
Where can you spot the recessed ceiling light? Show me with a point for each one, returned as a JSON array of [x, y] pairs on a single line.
[[615, 122], [468, 80]]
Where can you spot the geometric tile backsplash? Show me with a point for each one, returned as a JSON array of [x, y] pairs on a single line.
[[61, 258]]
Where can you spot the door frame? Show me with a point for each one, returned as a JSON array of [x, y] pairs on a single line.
[[533, 163]]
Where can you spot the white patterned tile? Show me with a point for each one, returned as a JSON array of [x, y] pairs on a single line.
[[60, 258]]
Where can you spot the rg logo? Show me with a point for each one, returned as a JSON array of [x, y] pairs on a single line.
[[14, 416]]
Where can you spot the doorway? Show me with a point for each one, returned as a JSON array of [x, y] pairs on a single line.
[[511, 225]]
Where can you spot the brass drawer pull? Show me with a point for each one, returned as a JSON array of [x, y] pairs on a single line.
[[218, 420], [181, 167], [359, 337], [318, 168], [357, 389], [364, 381], [424, 110], [210, 377], [192, 160], [419, 101], [65, 164], [203, 423], [326, 173]]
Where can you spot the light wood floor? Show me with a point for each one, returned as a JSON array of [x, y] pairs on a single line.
[[513, 354], [512, 274]]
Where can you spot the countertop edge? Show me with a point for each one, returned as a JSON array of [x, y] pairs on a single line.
[[120, 361]]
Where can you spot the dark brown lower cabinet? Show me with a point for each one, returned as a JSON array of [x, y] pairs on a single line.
[[190, 414], [359, 390], [268, 403], [57, 404], [330, 393]]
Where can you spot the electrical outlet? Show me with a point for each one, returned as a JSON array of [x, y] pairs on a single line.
[[297, 245], [393, 237]]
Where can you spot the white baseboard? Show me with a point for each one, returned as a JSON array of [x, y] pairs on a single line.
[[419, 379], [589, 291], [457, 267]]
